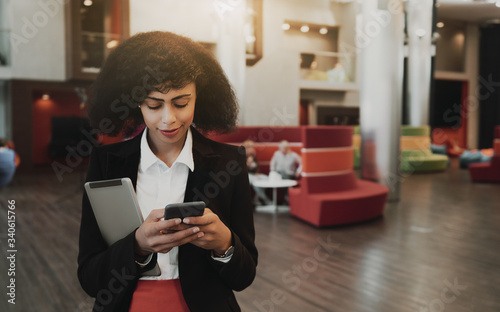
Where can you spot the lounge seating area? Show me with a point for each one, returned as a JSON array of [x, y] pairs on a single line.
[[416, 154], [328, 192]]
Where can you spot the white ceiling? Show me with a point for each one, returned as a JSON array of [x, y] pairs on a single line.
[[470, 11]]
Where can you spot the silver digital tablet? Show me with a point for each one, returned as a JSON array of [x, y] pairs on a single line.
[[116, 210]]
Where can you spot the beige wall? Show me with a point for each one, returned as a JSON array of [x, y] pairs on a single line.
[[38, 30], [272, 85], [196, 19], [472, 72], [451, 47]]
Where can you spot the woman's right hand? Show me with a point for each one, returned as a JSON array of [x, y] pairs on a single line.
[[157, 235]]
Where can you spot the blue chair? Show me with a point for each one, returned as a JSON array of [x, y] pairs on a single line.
[[7, 165], [469, 157]]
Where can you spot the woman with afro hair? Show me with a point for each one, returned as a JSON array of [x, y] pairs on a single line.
[[176, 90]]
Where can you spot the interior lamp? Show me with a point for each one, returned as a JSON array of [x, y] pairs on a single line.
[[112, 44], [420, 32]]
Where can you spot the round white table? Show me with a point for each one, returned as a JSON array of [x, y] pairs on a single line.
[[275, 185]]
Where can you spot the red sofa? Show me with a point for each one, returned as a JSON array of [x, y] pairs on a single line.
[[266, 141], [328, 191], [488, 171]]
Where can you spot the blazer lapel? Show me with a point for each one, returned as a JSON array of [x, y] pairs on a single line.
[[204, 159], [125, 162]]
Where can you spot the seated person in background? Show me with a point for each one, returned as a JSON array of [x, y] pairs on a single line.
[[286, 162], [252, 162], [7, 163], [253, 172]]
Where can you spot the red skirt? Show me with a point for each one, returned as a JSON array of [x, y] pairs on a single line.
[[162, 295]]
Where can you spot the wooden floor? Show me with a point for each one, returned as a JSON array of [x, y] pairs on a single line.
[[437, 249]]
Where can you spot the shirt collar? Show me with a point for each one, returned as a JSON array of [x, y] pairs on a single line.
[[148, 158]]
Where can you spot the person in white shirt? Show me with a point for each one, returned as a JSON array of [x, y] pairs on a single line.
[[286, 162], [174, 88]]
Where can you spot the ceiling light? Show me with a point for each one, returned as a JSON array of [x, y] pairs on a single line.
[[111, 44], [250, 39], [304, 28], [420, 32], [285, 26], [45, 96], [87, 2], [440, 25], [323, 30]]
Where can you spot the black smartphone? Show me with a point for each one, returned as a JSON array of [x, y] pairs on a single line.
[[183, 210]]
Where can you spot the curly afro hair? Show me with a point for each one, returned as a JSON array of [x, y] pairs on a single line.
[[159, 61]]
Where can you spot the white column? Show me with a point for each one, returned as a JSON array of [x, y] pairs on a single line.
[[419, 27], [380, 39], [231, 46]]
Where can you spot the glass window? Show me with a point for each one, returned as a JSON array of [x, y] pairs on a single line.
[[4, 36], [98, 26]]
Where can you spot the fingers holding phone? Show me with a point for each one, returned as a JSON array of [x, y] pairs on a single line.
[[181, 211], [157, 235], [217, 236]]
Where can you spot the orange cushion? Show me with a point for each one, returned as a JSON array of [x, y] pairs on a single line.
[[327, 160], [415, 142], [356, 140]]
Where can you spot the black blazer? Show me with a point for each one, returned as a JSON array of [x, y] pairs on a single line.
[[220, 178]]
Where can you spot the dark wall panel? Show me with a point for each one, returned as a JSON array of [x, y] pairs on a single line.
[[489, 84]]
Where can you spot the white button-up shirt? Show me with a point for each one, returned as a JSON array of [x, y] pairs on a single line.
[[159, 185]]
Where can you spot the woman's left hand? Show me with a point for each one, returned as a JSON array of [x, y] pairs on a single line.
[[217, 235]]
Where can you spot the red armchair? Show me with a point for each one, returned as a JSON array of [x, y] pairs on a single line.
[[488, 171], [329, 193]]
